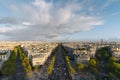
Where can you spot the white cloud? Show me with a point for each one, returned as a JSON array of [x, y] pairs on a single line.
[[11, 28], [27, 23], [46, 19], [108, 3]]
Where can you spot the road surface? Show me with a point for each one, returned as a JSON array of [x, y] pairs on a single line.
[[60, 70]]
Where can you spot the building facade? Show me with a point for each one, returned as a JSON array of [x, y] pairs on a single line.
[[4, 56]]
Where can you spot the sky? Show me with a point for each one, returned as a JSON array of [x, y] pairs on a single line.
[[54, 20]]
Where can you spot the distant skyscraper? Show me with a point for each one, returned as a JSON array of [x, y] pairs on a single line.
[[101, 41]]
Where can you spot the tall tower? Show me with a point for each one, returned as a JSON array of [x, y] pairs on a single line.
[[101, 41]]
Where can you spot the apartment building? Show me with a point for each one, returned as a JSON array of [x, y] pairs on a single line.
[[4, 56]]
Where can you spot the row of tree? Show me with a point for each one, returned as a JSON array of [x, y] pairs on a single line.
[[113, 68], [71, 69], [111, 65], [9, 67], [27, 68], [93, 66], [103, 53], [51, 64], [50, 67]]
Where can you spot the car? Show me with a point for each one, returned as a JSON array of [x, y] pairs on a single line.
[[53, 69], [65, 74]]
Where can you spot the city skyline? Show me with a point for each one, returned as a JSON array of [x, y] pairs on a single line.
[[59, 20]]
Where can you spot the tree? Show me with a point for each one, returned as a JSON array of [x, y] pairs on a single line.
[[98, 55], [22, 56], [92, 62], [80, 66], [72, 70], [106, 55], [95, 71], [15, 50], [112, 59], [36, 68], [111, 76], [8, 68]]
